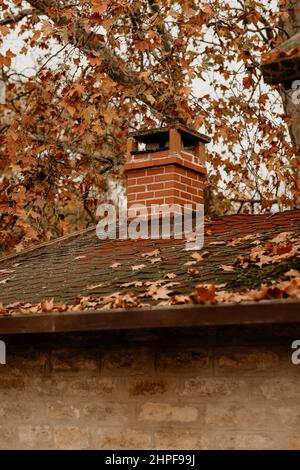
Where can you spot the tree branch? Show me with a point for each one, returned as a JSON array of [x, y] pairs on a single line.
[[89, 43], [15, 18]]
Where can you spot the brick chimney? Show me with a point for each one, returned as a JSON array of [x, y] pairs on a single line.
[[166, 165]]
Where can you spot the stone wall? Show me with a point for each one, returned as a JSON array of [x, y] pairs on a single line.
[[210, 388]]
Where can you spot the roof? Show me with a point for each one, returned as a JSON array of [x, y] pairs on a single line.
[[164, 129], [282, 64], [241, 251]]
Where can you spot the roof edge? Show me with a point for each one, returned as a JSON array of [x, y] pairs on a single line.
[[178, 316], [178, 126]]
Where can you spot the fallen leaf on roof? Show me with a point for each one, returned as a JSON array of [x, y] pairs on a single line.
[[190, 263], [132, 284], [32, 309], [193, 271], [271, 253], [4, 281], [238, 241], [115, 265], [175, 300], [256, 242], [4, 311], [47, 305], [122, 301], [292, 273], [204, 293], [200, 256], [152, 253], [94, 286], [217, 243], [171, 284], [14, 305], [227, 269], [292, 288], [15, 265], [158, 292], [7, 271], [170, 276], [155, 260], [282, 237], [180, 299], [80, 257], [137, 267]]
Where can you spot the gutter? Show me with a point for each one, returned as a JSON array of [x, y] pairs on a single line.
[[179, 316]]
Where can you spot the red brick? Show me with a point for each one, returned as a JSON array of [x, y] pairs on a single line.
[[135, 173], [169, 175], [155, 200], [145, 179], [155, 171], [153, 187], [144, 196], [136, 189], [167, 192]]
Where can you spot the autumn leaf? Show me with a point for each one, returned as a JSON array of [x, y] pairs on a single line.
[[7, 271], [155, 260], [96, 286], [170, 276], [138, 267], [292, 273], [115, 265], [47, 305], [154, 253], [281, 237], [227, 268], [193, 271], [132, 284], [200, 256], [204, 293]]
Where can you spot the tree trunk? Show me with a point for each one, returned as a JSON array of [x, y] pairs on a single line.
[[291, 25]]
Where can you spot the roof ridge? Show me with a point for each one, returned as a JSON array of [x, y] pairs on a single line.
[[49, 243], [93, 227]]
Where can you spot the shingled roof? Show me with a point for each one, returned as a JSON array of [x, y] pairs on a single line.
[[282, 64], [240, 252], [82, 265]]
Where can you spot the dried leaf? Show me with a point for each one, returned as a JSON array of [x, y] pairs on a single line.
[[170, 276], [155, 260], [292, 273], [200, 256], [227, 269], [47, 305], [115, 265], [282, 237], [138, 267], [152, 253], [7, 271], [94, 286]]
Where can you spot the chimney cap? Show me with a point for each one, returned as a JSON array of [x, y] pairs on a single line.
[[146, 135]]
